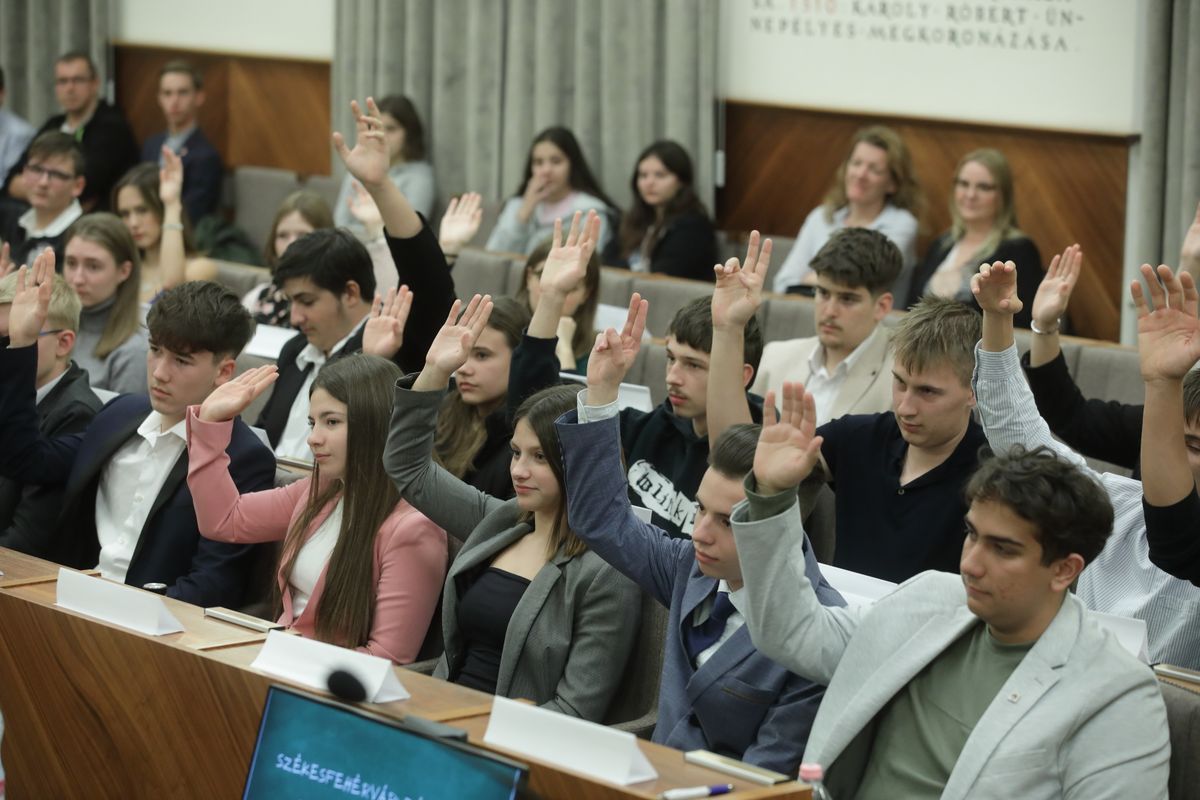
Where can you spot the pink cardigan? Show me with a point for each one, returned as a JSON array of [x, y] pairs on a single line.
[[410, 551]]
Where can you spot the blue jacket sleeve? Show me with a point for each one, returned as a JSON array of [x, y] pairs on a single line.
[[25, 454]]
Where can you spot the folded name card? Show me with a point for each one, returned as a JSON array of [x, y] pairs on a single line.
[[309, 663], [1130, 633], [117, 603], [857, 589], [575, 744]]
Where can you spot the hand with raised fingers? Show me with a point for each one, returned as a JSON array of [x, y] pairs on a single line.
[[738, 292], [170, 178], [362, 207], [235, 396], [458, 335], [1054, 292], [788, 448], [460, 223], [384, 332], [1189, 253], [31, 300], [536, 190], [995, 288], [1168, 328], [566, 265], [6, 263], [368, 162], [614, 353]]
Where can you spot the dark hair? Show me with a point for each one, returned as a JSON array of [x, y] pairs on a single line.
[[938, 330], [183, 67], [57, 143], [1070, 511], [857, 257], [330, 258], [200, 315], [732, 454], [310, 205], [540, 411], [641, 217], [461, 428], [144, 178], [585, 314], [580, 176], [1, 79], [365, 384], [403, 111], [1191, 396], [692, 325], [78, 55]]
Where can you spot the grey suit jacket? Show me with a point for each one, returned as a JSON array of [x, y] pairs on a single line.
[[868, 385], [573, 629], [1078, 718]]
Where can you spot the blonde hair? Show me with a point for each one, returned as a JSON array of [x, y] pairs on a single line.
[[907, 194], [937, 331], [64, 303], [109, 232], [1005, 224]]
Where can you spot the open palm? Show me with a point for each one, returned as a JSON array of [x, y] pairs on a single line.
[[567, 261], [368, 161], [458, 335], [234, 396], [1168, 334], [788, 449], [1054, 292], [384, 332], [461, 222]]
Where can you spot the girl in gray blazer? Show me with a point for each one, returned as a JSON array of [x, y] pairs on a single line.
[[527, 610]]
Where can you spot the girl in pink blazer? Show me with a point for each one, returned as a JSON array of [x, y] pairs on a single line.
[[359, 567]]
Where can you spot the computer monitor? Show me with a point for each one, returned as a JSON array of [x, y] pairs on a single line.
[[310, 747]]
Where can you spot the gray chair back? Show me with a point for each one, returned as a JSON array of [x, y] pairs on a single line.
[[635, 706], [1183, 722], [259, 192]]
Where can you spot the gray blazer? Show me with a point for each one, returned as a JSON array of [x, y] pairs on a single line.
[[1078, 718], [574, 628]]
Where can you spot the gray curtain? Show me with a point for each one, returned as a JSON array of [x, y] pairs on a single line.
[[487, 76], [33, 33]]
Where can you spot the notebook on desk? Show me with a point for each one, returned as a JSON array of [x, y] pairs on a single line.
[[311, 747]]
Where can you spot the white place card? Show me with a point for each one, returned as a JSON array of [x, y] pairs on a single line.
[[856, 588], [1130, 633], [310, 662], [587, 747], [142, 611], [629, 395], [268, 340]]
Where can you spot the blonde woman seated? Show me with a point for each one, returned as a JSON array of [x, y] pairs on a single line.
[[528, 611], [359, 567]]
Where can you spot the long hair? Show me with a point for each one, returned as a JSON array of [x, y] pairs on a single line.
[[312, 208], [907, 195], [144, 178], [580, 176], [404, 112], [540, 411], [461, 430], [1005, 224], [585, 314], [365, 384], [109, 232], [642, 218]]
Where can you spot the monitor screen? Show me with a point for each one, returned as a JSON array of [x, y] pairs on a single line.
[[309, 747]]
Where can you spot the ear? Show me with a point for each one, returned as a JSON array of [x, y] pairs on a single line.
[[225, 369], [747, 375], [352, 293], [77, 189], [124, 269], [1066, 570], [65, 343], [971, 403], [883, 305]]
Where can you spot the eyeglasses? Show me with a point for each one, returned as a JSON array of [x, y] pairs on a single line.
[[51, 332], [39, 172], [77, 79]]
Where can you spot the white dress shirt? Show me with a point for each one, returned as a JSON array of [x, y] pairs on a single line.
[[293, 442], [824, 385], [129, 485], [313, 557]]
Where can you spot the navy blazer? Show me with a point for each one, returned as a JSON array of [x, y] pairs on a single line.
[[202, 171], [170, 548], [739, 703]]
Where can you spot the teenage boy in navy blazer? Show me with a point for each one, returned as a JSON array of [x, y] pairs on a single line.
[[126, 505], [330, 280]]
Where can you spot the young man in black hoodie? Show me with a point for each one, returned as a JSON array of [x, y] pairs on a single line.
[[665, 450]]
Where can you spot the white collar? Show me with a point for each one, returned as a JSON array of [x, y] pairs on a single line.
[[151, 429], [28, 221], [311, 354], [816, 361]]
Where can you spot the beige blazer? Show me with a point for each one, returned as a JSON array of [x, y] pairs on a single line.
[[868, 386]]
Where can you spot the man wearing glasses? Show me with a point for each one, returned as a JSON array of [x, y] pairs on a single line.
[[53, 177], [108, 145]]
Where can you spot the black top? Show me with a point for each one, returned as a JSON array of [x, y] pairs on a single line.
[[1103, 429], [884, 529], [490, 471], [1171, 532], [1020, 250], [24, 249], [483, 616], [202, 171], [686, 248]]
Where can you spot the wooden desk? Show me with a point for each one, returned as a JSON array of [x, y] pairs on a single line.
[[19, 568]]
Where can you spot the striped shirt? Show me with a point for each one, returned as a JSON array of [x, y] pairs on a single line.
[[1121, 580]]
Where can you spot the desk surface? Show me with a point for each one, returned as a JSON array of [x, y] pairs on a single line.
[[18, 568]]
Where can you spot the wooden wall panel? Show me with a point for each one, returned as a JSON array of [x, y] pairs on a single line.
[[1069, 187], [265, 112]]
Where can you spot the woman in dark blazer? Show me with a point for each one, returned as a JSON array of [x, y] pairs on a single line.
[[527, 610], [984, 230], [667, 230]]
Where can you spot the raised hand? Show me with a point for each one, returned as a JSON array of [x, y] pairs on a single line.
[[566, 265], [384, 332], [995, 288], [458, 335], [170, 178], [613, 354], [460, 223], [738, 292], [788, 448], [1168, 332], [368, 161], [31, 300], [1054, 292], [6, 264], [233, 397], [364, 209]]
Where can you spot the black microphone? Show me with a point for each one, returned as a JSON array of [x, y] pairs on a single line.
[[345, 686]]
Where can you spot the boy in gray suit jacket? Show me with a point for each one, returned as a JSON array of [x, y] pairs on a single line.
[[989, 684]]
